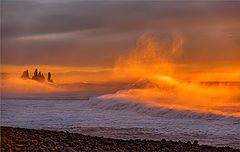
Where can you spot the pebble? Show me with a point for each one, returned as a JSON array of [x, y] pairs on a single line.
[[21, 139]]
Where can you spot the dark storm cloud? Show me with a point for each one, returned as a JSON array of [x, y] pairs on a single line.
[[75, 32], [21, 18]]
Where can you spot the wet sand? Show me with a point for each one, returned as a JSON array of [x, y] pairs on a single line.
[[21, 139]]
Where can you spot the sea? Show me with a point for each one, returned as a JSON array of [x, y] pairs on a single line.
[[90, 113]]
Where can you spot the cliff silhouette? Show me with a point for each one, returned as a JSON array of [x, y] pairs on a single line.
[[37, 76]]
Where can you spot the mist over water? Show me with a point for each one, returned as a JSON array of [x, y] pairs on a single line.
[[147, 75], [153, 63], [142, 96], [223, 100]]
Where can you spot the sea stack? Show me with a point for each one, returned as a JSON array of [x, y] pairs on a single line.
[[49, 77], [37, 76], [25, 75]]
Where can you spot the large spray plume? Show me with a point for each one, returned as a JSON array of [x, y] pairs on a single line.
[[152, 63], [153, 55]]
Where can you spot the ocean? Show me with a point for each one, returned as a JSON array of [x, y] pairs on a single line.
[[117, 118]]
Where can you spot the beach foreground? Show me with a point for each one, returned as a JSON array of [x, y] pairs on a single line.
[[21, 139]]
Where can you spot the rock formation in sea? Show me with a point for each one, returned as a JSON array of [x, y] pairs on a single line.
[[38, 76], [49, 77], [34, 77], [25, 75]]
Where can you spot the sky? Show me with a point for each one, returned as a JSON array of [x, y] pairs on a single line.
[[94, 33]]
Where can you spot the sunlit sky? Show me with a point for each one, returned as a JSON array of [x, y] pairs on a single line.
[[94, 33]]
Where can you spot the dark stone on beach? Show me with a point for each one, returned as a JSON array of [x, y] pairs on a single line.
[[195, 142], [20, 139]]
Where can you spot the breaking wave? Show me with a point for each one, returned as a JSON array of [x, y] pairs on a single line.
[[117, 104]]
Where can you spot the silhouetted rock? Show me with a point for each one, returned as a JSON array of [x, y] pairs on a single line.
[[35, 74], [49, 77], [25, 75], [38, 76]]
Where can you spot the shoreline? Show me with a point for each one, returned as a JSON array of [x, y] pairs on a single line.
[[22, 139]]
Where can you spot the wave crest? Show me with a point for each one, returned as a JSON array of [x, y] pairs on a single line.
[[117, 104]]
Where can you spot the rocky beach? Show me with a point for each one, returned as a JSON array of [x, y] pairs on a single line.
[[22, 139]]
